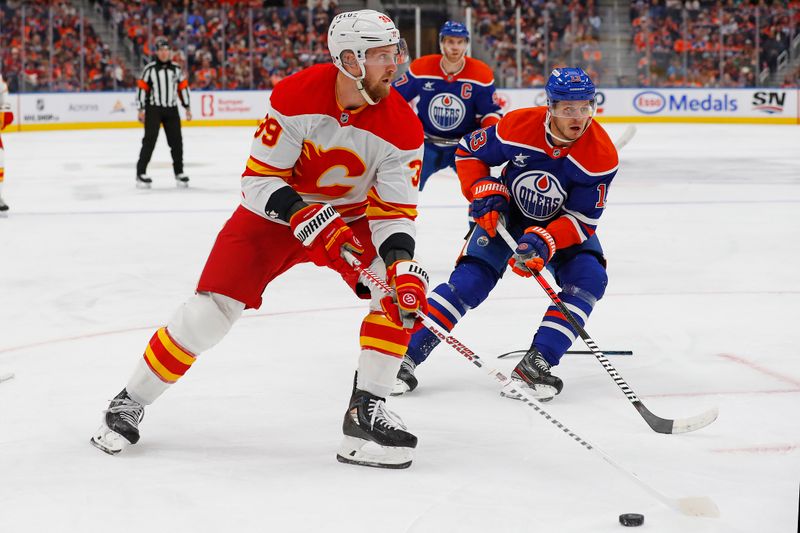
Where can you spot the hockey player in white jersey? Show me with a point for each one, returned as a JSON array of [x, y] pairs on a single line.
[[6, 117], [333, 166]]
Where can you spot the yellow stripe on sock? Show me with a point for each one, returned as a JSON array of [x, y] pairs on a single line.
[[156, 365], [386, 346], [176, 351]]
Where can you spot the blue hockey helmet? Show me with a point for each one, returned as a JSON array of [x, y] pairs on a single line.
[[570, 83], [451, 28]]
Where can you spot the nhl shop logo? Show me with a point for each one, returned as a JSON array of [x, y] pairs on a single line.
[[345, 118], [538, 194], [446, 111]]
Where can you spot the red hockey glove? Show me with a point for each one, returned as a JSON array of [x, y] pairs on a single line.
[[323, 232], [534, 250], [410, 283], [489, 201]]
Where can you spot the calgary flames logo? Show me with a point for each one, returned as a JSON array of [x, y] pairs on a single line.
[[314, 172]]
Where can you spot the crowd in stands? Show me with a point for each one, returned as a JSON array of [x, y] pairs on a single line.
[[553, 33], [250, 44], [234, 45], [40, 50], [702, 43]]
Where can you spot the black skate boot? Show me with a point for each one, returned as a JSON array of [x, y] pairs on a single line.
[[405, 382], [120, 426], [3, 207], [143, 181], [181, 180], [534, 371], [373, 435]]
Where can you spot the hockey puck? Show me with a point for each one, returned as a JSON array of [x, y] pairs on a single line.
[[631, 519]]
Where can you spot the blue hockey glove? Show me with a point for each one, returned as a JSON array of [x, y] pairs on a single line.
[[489, 201], [534, 250]]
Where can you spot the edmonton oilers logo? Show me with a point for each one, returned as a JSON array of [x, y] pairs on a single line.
[[446, 111], [538, 194]]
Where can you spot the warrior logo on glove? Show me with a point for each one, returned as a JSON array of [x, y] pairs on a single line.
[[410, 283]]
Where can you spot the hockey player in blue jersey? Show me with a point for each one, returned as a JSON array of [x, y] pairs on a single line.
[[552, 191], [456, 96]]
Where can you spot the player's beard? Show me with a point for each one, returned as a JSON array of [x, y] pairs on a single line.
[[376, 90]]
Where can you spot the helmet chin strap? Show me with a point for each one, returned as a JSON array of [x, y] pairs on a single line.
[[359, 82], [554, 136], [363, 91]]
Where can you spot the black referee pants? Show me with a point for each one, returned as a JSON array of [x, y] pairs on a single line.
[[154, 116]]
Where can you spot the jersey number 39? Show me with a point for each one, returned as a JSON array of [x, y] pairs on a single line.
[[270, 131]]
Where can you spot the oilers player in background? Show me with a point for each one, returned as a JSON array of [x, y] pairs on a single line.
[[456, 96], [552, 192]]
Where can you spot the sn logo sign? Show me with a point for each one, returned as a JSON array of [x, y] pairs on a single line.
[[770, 102]]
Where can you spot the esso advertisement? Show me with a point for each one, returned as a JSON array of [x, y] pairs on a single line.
[[649, 102], [687, 102]]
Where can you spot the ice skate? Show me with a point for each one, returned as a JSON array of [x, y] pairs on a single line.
[[405, 382], [143, 181], [3, 207], [373, 435], [181, 180], [534, 372], [120, 426]]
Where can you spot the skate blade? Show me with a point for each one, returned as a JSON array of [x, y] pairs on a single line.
[[182, 184], [109, 441], [140, 185], [400, 388], [362, 452], [543, 393]]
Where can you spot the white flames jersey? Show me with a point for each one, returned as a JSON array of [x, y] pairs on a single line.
[[364, 162]]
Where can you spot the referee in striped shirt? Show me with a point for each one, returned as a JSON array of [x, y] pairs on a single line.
[[161, 85]]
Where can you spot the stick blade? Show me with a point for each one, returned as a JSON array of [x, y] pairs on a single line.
[[698, 506], [696, 422]]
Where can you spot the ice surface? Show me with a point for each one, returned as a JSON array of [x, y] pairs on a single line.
[[701, 234]]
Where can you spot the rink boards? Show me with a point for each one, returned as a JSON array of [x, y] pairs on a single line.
[[55, 111]]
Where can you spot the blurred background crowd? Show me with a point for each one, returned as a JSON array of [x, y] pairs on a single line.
[[94, 45]]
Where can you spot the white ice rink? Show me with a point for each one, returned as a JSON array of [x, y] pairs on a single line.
[[701, 234]]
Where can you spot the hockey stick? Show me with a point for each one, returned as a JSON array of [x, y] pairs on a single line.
[[690, 506], [569, 352], [443, 141], [658, 424], [626, 136]]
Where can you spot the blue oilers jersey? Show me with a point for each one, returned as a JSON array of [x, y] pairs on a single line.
[[451, 105], [563, 189]]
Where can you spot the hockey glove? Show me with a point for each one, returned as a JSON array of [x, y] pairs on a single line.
[[489, 201], [324, 234], [410, 284], [534, 250]]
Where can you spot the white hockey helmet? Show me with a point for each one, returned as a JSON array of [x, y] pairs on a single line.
[[359, 31]]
